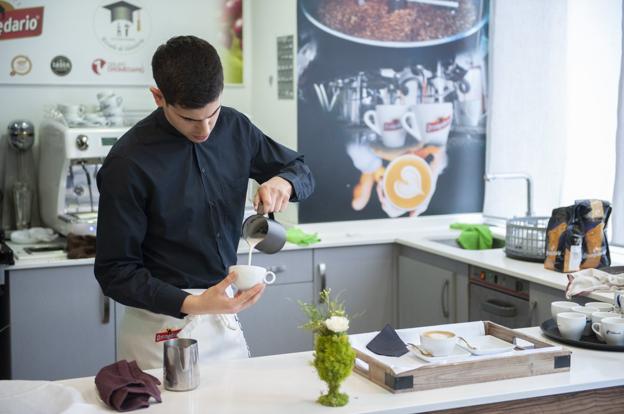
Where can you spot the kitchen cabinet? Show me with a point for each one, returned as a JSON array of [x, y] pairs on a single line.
[[61, 326], [364, 276], [432, 290], [540, 298], [272, 325]]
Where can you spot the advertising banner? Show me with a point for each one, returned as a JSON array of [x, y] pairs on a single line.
[[107, 42], [392, 106]]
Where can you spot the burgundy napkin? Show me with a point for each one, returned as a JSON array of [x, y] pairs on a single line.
[[124, 387]]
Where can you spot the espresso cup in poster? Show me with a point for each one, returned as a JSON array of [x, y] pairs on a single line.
[[430, 123], [385, 121]]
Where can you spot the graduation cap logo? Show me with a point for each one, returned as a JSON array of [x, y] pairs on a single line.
[[124, 11], [122, 26]]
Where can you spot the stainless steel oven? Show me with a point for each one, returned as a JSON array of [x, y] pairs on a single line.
[[499, 298]]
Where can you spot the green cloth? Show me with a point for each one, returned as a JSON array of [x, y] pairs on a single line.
[[297, 236], [474, 236]]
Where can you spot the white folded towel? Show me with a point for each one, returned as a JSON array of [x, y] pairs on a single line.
[[593, 280]]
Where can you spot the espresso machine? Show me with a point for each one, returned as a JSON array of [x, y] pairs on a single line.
[[69, 162]]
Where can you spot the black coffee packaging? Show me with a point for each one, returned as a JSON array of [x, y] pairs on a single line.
[[576, 236]]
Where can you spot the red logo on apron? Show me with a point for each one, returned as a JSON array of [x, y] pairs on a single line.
[[167, 334]]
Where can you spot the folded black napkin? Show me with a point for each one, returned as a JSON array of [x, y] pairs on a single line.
[[124, 387], [388, 343]]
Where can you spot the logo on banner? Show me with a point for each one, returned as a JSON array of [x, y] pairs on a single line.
[[99, 66], [16, 23], [61, 65], [439, 124], [20, 65], [122, 26]]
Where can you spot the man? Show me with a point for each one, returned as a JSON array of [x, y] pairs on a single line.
[[172, 195]]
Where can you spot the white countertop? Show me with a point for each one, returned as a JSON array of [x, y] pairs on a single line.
[[416, 232], [287, 383]]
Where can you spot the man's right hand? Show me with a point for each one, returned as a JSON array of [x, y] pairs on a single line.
[[215, 299]]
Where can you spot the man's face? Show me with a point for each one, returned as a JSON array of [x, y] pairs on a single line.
[[195, 124]]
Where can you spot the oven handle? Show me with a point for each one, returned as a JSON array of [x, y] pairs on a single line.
[[499, 308]]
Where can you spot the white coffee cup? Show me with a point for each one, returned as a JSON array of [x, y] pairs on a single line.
[[613, 330], [109, 102], [602, 306], [249, 276], [597, 318], [385, 121], [430, 123], [438, 343], [561, 306], [71, 111], [587, 311], [571, 324], [104, 94]]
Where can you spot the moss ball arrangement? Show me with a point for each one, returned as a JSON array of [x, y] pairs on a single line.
[[333, 356]]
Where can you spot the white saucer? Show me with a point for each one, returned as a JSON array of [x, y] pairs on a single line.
[[486, 345], [458, 353]]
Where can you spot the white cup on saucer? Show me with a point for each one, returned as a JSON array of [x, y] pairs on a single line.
[[561, 306], [602, 306], [438, 343], [71, 111], [613, 330], [571, 324], [597, 318]]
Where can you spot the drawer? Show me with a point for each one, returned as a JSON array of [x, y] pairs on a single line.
[[288, 266]]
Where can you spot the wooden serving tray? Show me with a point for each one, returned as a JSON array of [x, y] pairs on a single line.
[[432, 376]]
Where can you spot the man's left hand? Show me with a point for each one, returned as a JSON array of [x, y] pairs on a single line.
[[273, 196]]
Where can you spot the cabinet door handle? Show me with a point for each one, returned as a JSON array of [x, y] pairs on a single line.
[[499, 308], [532, 308], [105, 309], [277, 269], [445, 298], [322, 271]]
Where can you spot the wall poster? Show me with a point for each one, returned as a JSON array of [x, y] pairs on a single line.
[[109, 42], [392, 106]]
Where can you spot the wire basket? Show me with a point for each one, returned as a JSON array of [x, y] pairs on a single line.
[[526, 238]]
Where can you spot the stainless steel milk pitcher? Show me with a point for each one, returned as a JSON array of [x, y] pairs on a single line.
[[272, 235]]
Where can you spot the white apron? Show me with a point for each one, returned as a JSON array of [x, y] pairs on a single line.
[[142, 334]]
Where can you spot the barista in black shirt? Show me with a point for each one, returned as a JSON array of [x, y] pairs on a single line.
[[173, 188]]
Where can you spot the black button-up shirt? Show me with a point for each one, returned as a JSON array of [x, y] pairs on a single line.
[[170, 210]]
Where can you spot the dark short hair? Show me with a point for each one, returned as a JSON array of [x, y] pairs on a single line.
[[188, 72]]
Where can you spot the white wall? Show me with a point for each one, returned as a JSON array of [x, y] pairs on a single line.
[[554, 72], [593, 61], [528, 102], [277, 118]]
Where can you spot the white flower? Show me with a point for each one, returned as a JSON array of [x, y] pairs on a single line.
[[337, 324]]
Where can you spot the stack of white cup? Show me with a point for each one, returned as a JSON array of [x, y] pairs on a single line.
[[111, 106]]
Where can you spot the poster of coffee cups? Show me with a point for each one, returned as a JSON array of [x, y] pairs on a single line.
[[392, 106]]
